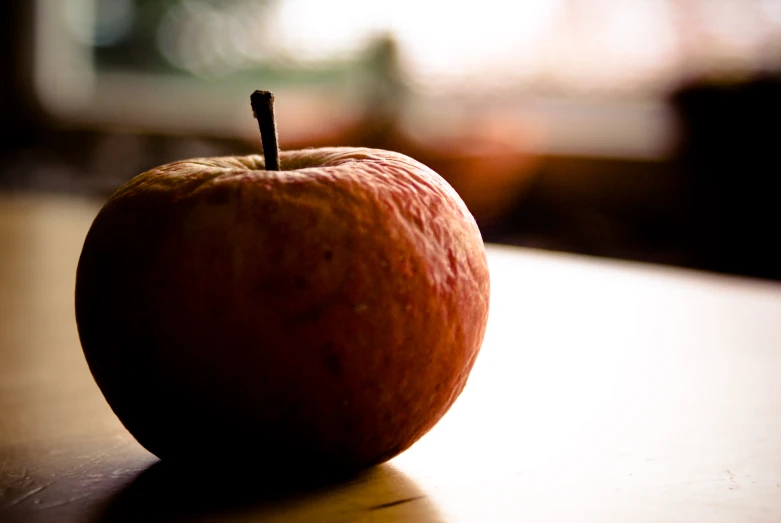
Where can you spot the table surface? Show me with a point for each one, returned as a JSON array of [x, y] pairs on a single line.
[[605, 391]]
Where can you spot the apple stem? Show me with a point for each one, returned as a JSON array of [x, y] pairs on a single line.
[[263, 110]]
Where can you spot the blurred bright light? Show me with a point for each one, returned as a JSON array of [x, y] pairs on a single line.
[[603, 46], [450, 42], [194, 36], [312, 30]]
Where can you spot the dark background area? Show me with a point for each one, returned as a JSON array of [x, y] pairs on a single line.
[[709, 203]]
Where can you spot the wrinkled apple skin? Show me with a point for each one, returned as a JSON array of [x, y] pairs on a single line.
[[322, 317]]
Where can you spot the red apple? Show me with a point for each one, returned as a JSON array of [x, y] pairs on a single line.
[[317, 318]]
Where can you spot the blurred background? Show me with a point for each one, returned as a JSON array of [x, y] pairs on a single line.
[[637, 129]]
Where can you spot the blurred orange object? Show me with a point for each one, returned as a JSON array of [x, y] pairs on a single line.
[[491, 163], [486, 163]]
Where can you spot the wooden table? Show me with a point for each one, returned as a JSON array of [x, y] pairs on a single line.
[[605, 392]]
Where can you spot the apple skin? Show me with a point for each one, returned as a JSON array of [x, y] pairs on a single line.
[[317, 319]]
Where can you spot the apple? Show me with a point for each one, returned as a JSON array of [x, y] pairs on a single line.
[[312, 311]]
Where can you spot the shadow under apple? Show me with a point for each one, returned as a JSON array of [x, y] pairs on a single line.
[[166, 493]]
